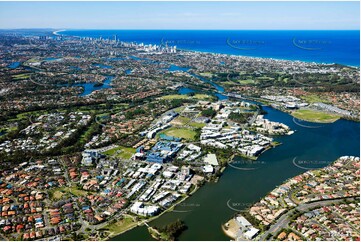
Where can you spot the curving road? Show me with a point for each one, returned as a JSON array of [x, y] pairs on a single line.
[[285, 219]]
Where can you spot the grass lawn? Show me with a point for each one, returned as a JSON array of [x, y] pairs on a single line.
[[313, 98], [181, 120], [20, 76], [246, 82], [178, 96], [57, 194], [265, 78], [120, 226], [228, 83], [26, 115], [315, 116], [197, 125], [32, 60], [179, 109], [174, 96], [87, 133], [103, 115], [121, 152], [180, 133], [75, 191], [7, 130], [202, 96]]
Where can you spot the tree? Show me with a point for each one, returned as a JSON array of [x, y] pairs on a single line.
[[240, 117], [209, 113]]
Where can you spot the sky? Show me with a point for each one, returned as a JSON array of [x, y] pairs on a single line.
[[181, 15]]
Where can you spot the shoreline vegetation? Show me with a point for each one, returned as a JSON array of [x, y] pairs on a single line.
[[307, 115], [225, 159], [135, 224], [169, 232]]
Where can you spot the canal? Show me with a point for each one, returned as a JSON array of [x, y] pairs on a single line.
[[213, 204]]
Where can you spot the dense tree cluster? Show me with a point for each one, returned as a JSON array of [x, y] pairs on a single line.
[[209, 112], [240, 117], [173, 230]]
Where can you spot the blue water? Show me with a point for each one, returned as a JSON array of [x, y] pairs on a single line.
[[219, 88], [116, 59], [75, 68], [326, 143], [14, 65], [185, 90], [89, 87], [207, 208], [178, 68], [51, 59], [135, 57], [220, 96], [329, 46]]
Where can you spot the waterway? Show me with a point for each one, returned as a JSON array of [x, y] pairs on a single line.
[[185, 90], [178, 68], [219, 89], [52, 59], [206, 210], [14, 65], [90, 87]]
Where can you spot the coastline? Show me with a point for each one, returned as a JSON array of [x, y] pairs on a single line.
[[266, 58], [235, 55], [141, 223]]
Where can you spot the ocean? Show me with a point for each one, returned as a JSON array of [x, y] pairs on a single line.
[[323, 46], [206, 210]]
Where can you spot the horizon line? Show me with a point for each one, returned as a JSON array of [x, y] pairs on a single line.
[[67, 29]]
